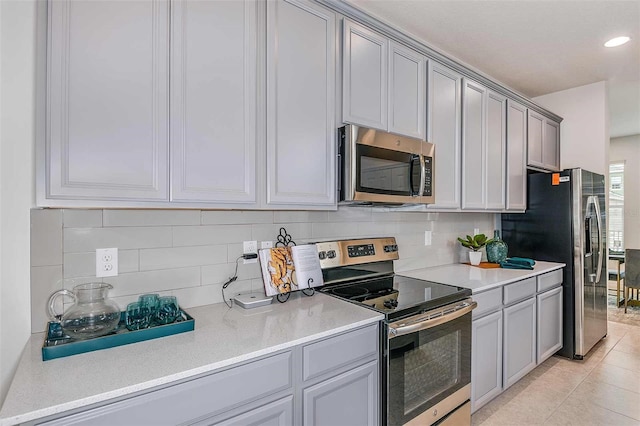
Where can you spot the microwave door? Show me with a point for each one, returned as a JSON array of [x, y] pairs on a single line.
[[386, 172]]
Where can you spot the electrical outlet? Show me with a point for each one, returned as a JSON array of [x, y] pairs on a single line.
[[249, 247], [106, 262], [476, 231], [427, 238], [266, 244]]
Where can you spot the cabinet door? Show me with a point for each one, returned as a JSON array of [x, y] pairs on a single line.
[[277, 413], [551, 145], [107, 100], [474, 118], [407, 94], [486, 359], [535, 126], [549, 323], [213, 101], [301, 51], [348, 399], [516, 156], [519, 340], [364, 79], [496, 151], [444, 126]]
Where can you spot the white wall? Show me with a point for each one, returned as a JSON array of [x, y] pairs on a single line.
[[17, 127], [627, 149], [584, 133]]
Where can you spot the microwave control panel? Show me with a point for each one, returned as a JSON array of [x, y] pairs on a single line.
[[428, 177]]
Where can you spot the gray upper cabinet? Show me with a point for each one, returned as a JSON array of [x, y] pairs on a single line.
[[213, 101], [473, 146], [483, 148], [444, 130], [301, 55], [365, 66], [383, 83], [107, 101], [407, 93], [516, 156], [496, 151], [543, 142]]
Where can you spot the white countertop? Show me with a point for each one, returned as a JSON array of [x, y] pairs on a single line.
[[479, 279], [222, 337]]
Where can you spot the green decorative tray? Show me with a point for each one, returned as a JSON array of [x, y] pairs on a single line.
[[58, 345]]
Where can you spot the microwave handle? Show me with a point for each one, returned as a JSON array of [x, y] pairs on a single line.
[[423, 175]]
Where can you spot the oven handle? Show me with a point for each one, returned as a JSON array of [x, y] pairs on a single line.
[[426, 320]]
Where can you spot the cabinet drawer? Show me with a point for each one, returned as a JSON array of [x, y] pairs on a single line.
[[205, 396], [488, 301], [549, 280], [327, 355], [519, 290]]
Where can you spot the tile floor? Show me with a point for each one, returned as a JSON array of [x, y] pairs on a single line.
[[602, 389]]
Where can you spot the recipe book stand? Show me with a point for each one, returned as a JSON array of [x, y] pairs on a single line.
[[284, 240]]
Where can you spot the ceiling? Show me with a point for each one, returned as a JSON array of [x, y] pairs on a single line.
[[533, 46]]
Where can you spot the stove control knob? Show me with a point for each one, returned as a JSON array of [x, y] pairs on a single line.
[[390, 304], [322, 255], [331, 254]]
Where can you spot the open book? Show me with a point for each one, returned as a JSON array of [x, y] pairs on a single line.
[[286, 269]]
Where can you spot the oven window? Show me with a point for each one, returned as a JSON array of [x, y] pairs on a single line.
[[426, 367], [384, 171]]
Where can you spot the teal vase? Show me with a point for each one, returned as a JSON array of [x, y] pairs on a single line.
[[496, 249]]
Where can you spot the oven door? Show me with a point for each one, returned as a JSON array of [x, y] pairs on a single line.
[[429, 365]]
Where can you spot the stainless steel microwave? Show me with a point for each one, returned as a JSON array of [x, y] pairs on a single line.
[[380, 167]]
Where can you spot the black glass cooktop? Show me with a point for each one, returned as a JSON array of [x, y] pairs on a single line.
[[397, 296]]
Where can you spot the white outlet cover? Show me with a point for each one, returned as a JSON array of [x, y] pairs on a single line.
[[249, 247], [427, 238], [266, 244], [107, 262], [476, 231]]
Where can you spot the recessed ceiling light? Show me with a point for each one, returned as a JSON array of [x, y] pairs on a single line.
[[617, 41]]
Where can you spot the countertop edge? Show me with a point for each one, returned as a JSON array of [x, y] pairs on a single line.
[[528, 274]]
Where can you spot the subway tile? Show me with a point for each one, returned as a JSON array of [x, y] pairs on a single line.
[[219, 274], [297, 231], [299, 216], [151, 217], [180, 257], [45, 280], [154, 281], [210, 234], [78, 240], [79, 218], [338, 230], [46, 237], [236, 217], [84, 264], [380, 229], [209, 294], [350, 214]]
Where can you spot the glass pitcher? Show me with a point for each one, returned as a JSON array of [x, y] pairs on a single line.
[[92, 313]]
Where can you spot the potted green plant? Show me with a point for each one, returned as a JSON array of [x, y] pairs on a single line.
[[475, 243]]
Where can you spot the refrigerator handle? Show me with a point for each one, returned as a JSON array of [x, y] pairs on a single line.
[[596, 204]]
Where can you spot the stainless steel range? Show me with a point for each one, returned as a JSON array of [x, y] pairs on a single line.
[[426, 336]]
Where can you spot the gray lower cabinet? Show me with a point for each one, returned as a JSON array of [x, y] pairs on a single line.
[[549, 335], [330, 381], [348, 399], [519, 341], [515, 328], [486, 359]]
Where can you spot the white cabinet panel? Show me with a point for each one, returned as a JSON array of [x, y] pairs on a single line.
[[474, 135], [364, 76], [213, 101], [407, 75], [543, 142], [516, 157], [107, 102], [444, 130], [301, 168], [496, 151], [551, 145]]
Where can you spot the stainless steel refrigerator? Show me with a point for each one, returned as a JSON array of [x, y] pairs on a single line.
[[565, 221]]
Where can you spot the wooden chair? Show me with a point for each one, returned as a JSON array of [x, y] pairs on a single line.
[[617, 274], [632, 277]]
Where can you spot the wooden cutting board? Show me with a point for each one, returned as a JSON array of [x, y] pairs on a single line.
[[485, 265]]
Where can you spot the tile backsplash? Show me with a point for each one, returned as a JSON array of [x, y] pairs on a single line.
[[191, 253]]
